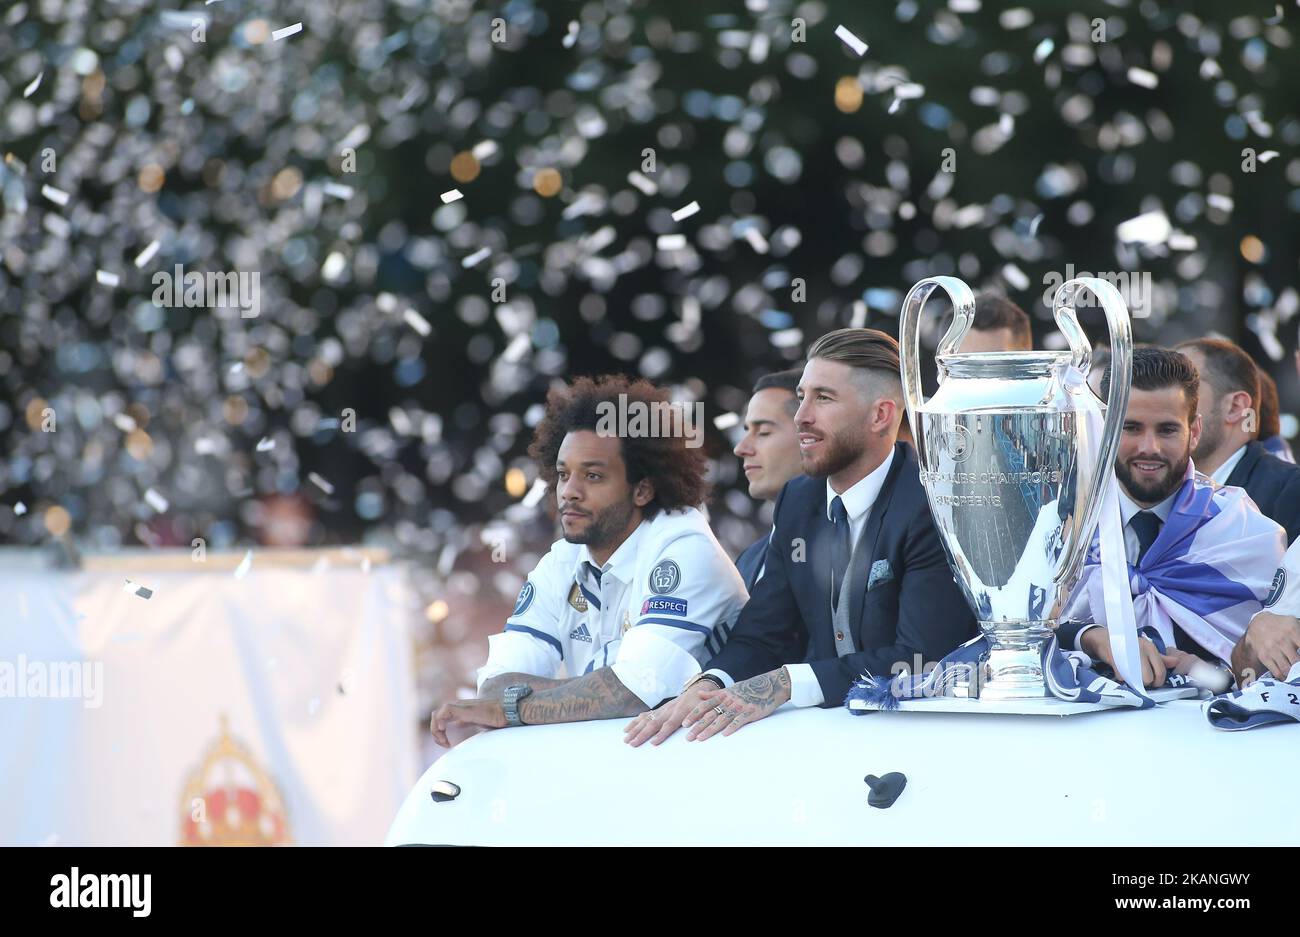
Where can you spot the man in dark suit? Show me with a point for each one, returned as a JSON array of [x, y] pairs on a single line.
[[856, 577], [1228, 451], [769, 453]]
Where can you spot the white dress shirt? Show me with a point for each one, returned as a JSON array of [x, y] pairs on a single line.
[[858, 499], [1220, 474], [1128, 509]]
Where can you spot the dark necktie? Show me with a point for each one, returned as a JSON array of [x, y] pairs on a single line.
[[1147, 527], [841, 546]]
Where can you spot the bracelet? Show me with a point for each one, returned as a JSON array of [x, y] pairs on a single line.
[[716, 681]]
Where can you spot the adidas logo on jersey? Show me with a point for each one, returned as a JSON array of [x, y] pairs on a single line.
[[580, 633]]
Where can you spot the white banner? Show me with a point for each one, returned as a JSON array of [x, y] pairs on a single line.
[[272, 706]]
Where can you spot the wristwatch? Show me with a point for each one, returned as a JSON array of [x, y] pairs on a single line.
[[510, 702]]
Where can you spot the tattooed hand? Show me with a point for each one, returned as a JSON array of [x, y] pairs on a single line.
[[747, 701]]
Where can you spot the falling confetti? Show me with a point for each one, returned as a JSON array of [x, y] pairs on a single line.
[[483, 253], [244, 565], [671, 242], [853, 42], [265, 444], [105, 278], [20, 509], [571, 36], [320, 483], [155, 500], [337, 190], [146, 255], [686, 211], [1143, 78], [417, 322], [36, 83], [451, 195], [726, 420], [57, 196], [279, 34]]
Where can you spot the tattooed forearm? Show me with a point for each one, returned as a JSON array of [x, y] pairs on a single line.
[[495, 686], [596, 695], [765, 689]]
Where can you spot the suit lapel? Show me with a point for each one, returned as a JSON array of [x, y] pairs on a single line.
[[866, 548], [819, 532], [1242, 471]]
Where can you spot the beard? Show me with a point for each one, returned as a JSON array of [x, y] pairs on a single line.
[[1155, 490], [605, 525], [841, 452], [1211, 437]]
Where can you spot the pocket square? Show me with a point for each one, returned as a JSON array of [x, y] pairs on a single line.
[[881, 571]]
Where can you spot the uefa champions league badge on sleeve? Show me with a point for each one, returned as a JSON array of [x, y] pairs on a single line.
[[665, 577], [525, 598], [1279, 586]]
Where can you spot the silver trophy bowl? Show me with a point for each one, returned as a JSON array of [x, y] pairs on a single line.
[[1014, 448]]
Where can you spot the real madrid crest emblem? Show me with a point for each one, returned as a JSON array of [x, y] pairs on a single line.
[[577, 599]]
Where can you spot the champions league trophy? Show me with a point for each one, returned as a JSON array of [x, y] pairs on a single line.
[[1014, 450]]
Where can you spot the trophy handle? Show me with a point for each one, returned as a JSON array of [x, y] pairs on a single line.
[[1121, 368], [909, 331]]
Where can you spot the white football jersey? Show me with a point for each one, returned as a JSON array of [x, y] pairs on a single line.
[[659, 608]]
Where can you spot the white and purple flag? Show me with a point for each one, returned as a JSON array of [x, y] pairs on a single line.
[[1209, 570]]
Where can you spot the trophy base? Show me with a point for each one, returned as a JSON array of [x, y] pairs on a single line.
[[1013, 668]]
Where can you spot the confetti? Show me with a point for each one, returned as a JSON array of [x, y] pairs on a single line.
[[686, 211], [1143, 78], [417, 322], [287, 31], [1015, 276], [320, 483], [726, 420], [35, 83], [1221, 202], [20, 509], [484, 150], [451, 195], [244, 565], [1150, 228], [155, 500], [265, 444], [124, 422], [481, 254], [858, 319], [1268, 155], [756, 240], [571, 36], [146, 255], [137, 589], [337, 190], [1043, 50], [850, 40], [535, 494], [646, 186], [57, 196], [671, 242], [105, 278]]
